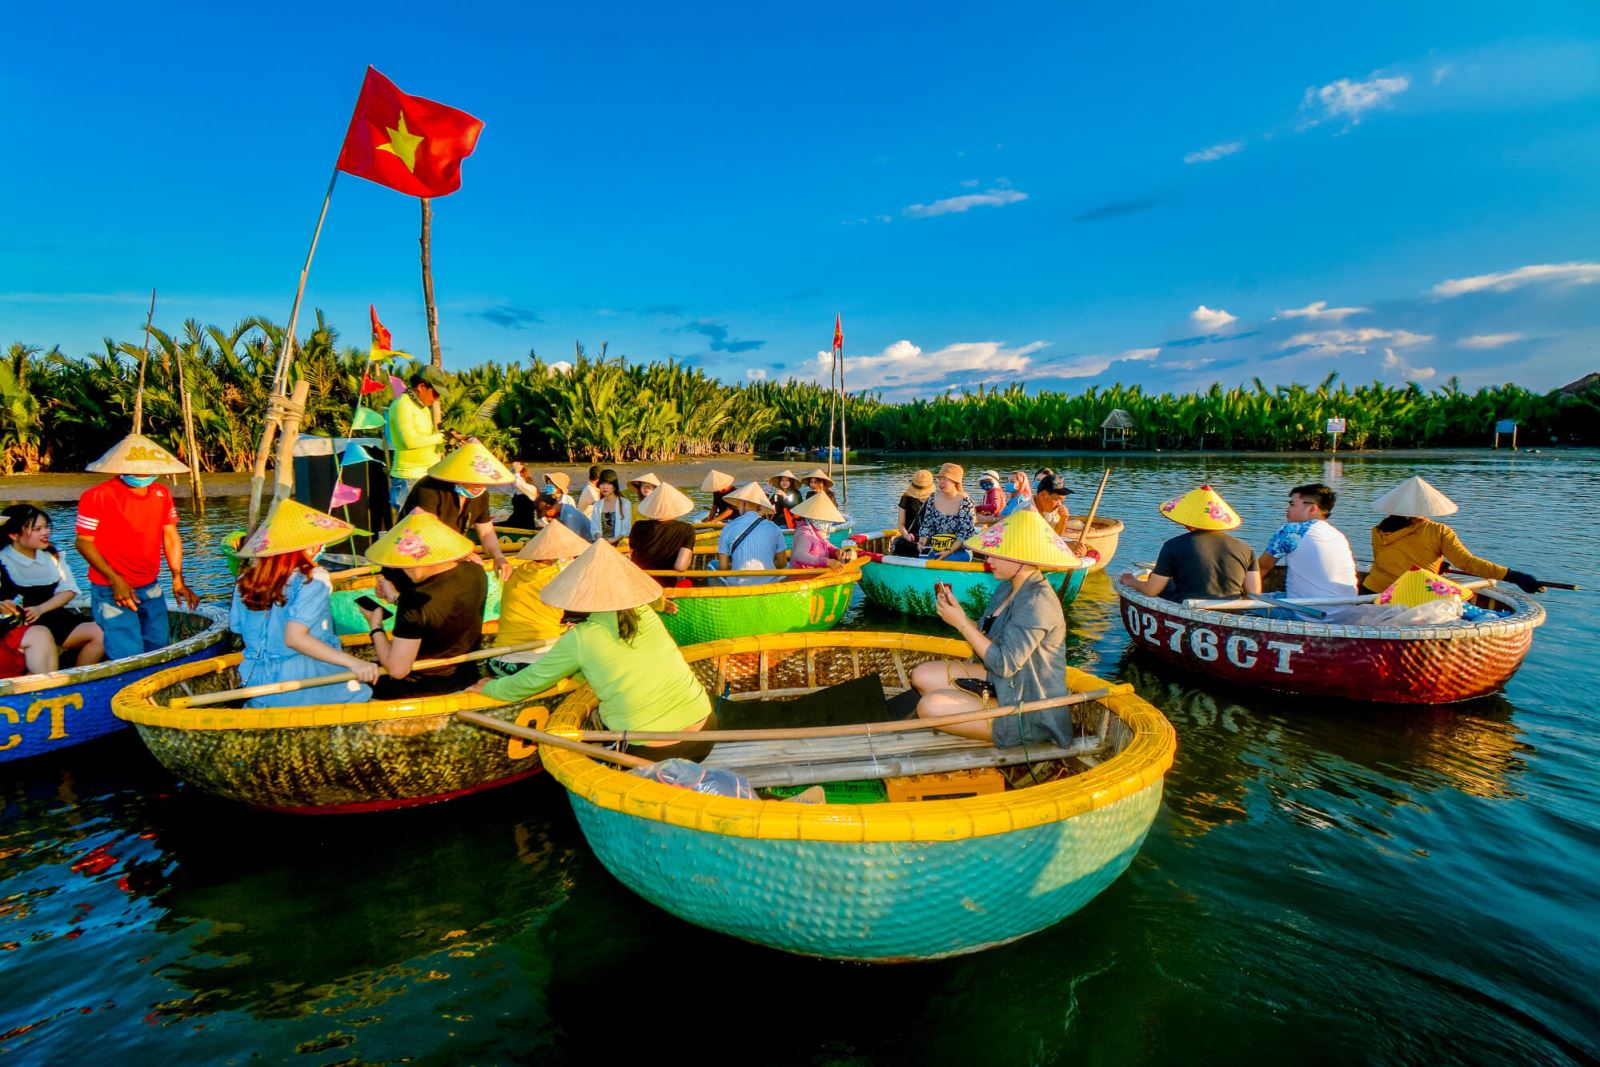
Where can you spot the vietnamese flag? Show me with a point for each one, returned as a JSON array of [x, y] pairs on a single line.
[[838, 332], [412, 145], [382, 341]]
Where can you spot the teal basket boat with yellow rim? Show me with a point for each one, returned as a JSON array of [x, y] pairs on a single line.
[[907, 585], [874, 882]]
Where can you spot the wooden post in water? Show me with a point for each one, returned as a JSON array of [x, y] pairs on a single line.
[[138, 396], [197, 491]]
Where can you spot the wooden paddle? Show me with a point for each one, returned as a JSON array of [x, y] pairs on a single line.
[[346, 676], [1287, 605], [1447, 569], [1088, 523], [1245, 604], [528, 733]]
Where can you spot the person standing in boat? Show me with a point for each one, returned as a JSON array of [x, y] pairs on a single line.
[[624, 652], [125, 525], [947, 517], [717, 484], [1206, 561], [661, 540], [909, 513], [1316, 554], [1409, 537], [612, 516], [751, 541], [785, 497], [456, 491], [32, 572], [438, 615], [1019, 645], [414, 441], [282, 611]]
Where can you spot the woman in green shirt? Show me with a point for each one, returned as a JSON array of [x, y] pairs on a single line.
[[623, 652]]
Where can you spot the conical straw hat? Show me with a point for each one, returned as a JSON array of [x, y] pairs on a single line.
[[645, 479], [665, 504], [751, 494], [555, 541], [1415, 497], [716, 482], [817, 508], [1417, 586], [137, 454], [471, 464], [1201, 509], [821, 474], [291, 527], [602, 579], [785, 473], [1025, 537], [418, 540]]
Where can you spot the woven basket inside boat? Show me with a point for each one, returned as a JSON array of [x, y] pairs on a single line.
[[806, 668]]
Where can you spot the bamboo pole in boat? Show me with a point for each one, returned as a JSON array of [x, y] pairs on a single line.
[[528, 733], [1088, 523], [1245, 604], [249, 691], [296, 410]]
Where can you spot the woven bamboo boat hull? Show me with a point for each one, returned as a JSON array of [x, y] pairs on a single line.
[[328, 758], [1380, 665], [907, 585], [43, 713], [715, 613], [350, 585], [1100, 545], [878, 882]]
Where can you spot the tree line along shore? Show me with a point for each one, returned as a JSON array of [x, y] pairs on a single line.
[[59, 409]]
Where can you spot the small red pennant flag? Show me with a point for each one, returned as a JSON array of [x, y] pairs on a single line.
[[370, 386]]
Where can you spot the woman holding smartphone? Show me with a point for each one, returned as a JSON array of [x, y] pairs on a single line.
[[1018, 646]]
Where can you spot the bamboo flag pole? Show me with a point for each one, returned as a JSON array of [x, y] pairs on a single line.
[[436, 355], [296, 408], [1088, 523], [138, 396], [197, 490], [844, 433]]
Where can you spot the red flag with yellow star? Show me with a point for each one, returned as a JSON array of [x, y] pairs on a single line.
[[838, 332], [412, 145]]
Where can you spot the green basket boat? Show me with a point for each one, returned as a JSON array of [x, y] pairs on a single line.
[[874, 882], [807, 605], [907, 585]]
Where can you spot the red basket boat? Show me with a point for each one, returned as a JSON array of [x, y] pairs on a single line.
[[1377, 664]]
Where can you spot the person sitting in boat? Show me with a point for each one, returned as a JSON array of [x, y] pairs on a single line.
[[612, 516], [624, 652], [524, 616], [282, 611], [1050, 501], [909, 513], [642, 487], [555, 485], [1018, 645], [717, 484], [785, 496], [819, 481], [751, 541], [813, 519], [1409, 537], [661, 540], [456, 491], [994, 497], [591, 491], [438, 615], [1021, 494], [1206, 562], [947, 518], [524, 511], [1316, 554], [125, 525], [36, 584]]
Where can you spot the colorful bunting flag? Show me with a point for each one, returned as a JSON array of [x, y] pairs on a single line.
[[344, 495], [353, 454], [365, 419], [412, 145], [398, 385], [372, 385], [382, 341]]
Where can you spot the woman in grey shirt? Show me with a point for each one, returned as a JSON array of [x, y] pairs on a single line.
[[1019, 645]]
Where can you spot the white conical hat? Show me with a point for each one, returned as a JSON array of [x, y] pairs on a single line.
[[818, 508], [137, 454], [751, 494], [665, 504], [602, 579], [716, 482], [553, 542], [1416, 498]]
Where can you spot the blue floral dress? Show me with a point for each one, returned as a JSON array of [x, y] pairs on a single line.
[[268, 660]]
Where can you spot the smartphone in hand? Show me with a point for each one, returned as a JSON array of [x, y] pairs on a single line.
[[367, 603]]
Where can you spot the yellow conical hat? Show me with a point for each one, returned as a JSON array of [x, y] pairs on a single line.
[[751, 494], [716, 482], [665, 504], [418, 540], [602, 579], [1024, 537], [645, 479], [821, 475], [471, 464], [785, 473], [291, 527], [1417, 586], [1201, 509], [555, 541], [1416, 498], [817, 508], [137, 454]]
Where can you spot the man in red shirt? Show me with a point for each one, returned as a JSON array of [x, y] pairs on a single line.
[[124, 527]]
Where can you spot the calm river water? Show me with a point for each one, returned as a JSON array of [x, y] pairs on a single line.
[[1322, 884]]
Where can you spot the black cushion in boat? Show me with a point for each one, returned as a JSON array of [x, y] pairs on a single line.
[[856, 701]]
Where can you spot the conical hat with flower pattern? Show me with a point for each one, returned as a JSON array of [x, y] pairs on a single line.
[[418, 540], [1201, 509], [1025, 537], [292, 527], [1417, 587], [471, 464]]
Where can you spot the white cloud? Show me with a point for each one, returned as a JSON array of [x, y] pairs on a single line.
[[1139, 355], [560, 366], [1440, 73], [1538, 273], [1214, 153], [1320, 310], [1187, 364], [955, 205], [1210, 319], [1392, 362], [1489, 340], [1335, 342], [758, 374], [904, 364], [1089, 366], [1350, 100]]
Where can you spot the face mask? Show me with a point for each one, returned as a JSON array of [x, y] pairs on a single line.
[[138, 481], [471, 494], [549, 490]]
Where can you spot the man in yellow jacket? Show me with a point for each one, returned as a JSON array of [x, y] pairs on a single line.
[[414, 441]]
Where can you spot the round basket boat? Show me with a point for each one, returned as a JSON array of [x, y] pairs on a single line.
[[806, 605], [899, 583], [329, 758], [1376, 664], [1100, 545], [42, 713], [875, 882]]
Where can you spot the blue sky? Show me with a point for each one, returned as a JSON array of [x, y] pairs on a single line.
[[1058, 194]]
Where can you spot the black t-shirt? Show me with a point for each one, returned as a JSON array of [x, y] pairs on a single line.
[[912, 506], [655, 544], [444, 613], [1204, 563], [436, 497]]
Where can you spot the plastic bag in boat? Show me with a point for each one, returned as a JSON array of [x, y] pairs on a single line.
[[686, 774], [1433, 613]]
